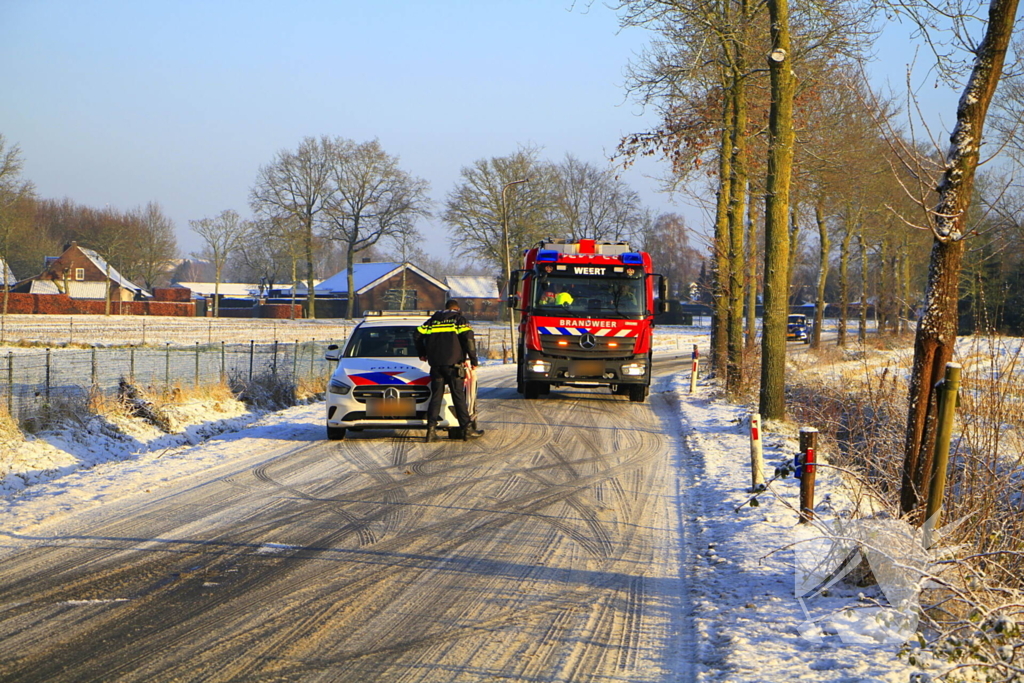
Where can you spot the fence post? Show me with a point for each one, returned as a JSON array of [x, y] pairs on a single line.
[[756, 454], [312, 357], [167, 365], [948, 392], [131, 364], [197, 365], [807, 461], [71, 330], [223, 363], [93, 367], [10, 383], [47, 376], [273, 363], [143, 331], [693, 372], [295, 363]]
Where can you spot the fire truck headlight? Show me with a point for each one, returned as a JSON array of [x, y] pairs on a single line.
[[538, 366], [336, 387], [634, 369]]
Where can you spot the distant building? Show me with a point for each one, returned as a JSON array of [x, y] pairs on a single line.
[[477, 295], [381, 287], [81, 274]]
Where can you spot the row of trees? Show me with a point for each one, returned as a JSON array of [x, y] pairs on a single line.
[[321, 206], [770, 97]]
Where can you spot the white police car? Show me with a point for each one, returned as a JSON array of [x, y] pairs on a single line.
[[380, 382]]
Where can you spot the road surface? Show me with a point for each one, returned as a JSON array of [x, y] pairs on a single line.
[[548, 550]]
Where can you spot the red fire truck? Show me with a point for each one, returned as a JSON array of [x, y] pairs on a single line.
[[587, 317]]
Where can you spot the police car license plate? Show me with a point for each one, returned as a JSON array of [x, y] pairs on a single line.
[[391, 407]]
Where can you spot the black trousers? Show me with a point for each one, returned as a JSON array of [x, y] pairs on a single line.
[[447, 375]]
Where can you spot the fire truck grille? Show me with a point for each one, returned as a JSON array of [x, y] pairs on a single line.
[[549, 344], [420, 393]]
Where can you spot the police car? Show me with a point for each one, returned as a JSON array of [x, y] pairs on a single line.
[[380, 382]]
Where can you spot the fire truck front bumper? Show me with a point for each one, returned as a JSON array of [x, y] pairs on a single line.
[[586, 370]]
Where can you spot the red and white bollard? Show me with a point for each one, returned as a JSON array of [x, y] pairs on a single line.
[[807, 460], [693, 371], [756, 454]]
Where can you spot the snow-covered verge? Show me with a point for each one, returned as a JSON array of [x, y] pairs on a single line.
[[87, 460], [750, 624]]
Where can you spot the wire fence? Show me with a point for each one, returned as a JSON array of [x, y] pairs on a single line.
[[35, 382]]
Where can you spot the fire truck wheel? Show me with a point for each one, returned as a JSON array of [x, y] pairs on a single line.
[[531, 390], [638, 393]]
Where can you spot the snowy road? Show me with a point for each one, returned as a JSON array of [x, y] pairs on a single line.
[[548, 550]]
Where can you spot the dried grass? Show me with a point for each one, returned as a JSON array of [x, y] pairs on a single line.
[[977, 595]]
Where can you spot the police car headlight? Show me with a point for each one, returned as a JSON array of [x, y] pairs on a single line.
[[634, 369], [337, 387], [538, 366]]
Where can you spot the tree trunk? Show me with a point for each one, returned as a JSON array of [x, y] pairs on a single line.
[[720, 327], [772, 403], [737, 212], [310, 294], [844, 286], [936, 331], [350, 306], [751, 276], [862, 321], [825, 248]]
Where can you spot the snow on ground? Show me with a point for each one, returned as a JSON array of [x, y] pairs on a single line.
[[742, 579], [748, 619]]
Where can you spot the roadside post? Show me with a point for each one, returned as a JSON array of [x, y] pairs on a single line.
[[756, 454], [693, 371], [805, 466], [949, 391]]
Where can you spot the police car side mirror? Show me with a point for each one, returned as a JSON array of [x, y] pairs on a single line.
[[333, 353]]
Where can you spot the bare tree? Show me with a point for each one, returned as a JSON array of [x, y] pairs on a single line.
[[297, 184], [14, 192], [370, 198], [947, 218], [593, 203], [475, 212], [222, 236], [151, 246]]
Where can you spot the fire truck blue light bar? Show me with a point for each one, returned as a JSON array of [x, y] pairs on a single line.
[[632, 259], [547, 255]]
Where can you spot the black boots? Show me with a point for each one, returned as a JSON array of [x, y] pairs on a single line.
[[469, 433], [431, 434]]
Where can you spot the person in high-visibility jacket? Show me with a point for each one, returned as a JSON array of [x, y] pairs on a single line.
[[446, 342], [563, 298]]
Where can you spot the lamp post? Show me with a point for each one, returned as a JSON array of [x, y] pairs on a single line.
[[508, 265]]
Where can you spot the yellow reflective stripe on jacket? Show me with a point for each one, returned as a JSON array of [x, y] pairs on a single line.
[[441, 327]]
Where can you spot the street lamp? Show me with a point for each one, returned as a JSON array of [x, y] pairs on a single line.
[[508, 265]]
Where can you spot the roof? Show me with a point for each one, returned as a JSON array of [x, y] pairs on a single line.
[[8, 276], [115, 276], [404, 320], [231, 289], [367, 276], [76, 289], [471, 287]]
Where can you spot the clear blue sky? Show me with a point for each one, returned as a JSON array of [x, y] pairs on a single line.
[[180, 102]]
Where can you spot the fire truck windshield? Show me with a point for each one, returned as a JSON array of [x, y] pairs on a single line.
[[609, 297]]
